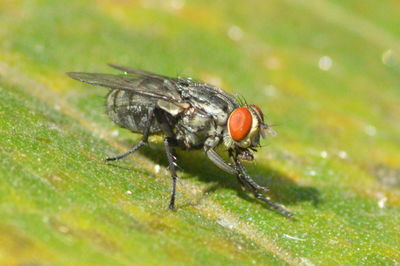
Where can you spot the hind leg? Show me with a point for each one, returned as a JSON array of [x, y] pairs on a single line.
[[143, 142]]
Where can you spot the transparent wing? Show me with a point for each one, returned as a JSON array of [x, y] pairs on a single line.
[[140, 82], [141, 72]]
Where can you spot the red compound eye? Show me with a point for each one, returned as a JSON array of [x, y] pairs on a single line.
[[259, 111], [239, 123]]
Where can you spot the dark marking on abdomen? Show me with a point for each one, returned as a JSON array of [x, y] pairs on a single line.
[[131, 111]]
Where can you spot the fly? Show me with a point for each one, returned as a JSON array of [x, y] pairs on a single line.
[[190, 114]]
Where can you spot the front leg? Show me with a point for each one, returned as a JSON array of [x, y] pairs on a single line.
[[243, 177], [255, 188], [209, 146], [219, 162]]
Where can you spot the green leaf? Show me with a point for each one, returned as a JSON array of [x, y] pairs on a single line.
[[326, 74]]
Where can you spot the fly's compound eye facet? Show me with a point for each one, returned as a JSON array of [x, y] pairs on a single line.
[[239, 123]]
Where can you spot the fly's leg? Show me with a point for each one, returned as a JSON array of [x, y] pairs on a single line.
[[219, 162], [172, 168], [209, 145], [243, 177], [244, 180], [135, 148], [169, 141], [143, 142]]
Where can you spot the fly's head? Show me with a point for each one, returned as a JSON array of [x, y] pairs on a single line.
[[244, 128]]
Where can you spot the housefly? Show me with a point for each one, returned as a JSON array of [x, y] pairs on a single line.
[[190, 114]]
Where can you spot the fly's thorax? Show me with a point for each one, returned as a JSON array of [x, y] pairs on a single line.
[[213, 101], [192, 128]]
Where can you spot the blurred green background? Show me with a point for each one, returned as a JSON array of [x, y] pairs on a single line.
[[326, 73]]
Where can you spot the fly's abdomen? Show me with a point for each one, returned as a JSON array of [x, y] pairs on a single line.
[[131, 111]]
